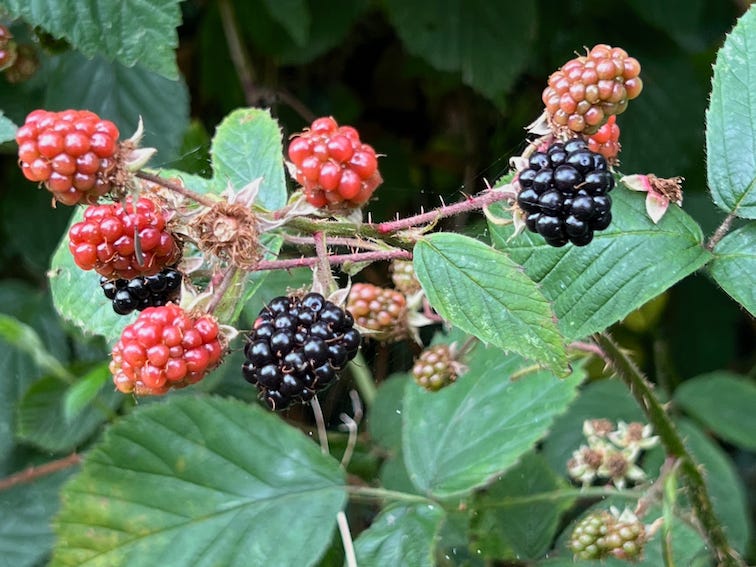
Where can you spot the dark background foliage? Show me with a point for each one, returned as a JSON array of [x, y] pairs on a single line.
[[446, 124]]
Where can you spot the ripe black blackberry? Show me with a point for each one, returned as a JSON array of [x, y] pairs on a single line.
[[564, 193], [143, 291], [296, 346]]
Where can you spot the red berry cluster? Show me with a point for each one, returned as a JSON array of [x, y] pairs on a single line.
[[71, 152], [380, 310], [606, 140], [587, 90], [165, 348], [105, 240], [336, 170]]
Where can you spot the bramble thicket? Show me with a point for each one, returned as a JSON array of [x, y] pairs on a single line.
[[325, 283]]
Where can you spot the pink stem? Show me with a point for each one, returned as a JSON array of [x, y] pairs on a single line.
[[334, 260], [470, 204]]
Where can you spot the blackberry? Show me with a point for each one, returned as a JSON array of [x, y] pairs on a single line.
[[563, 193], [588, 90], [296, 347], [143, 291]]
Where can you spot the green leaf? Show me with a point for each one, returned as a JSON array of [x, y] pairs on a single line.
[[385, 417], [724, 403], [484, 293], [607, 399], [17, 369], [40, 419], [7, 129], [293, 16], [328, 23], [200, 481], [728, 497], [84, 391], [402, 534], [122, 95], [501, 528], [734, 265], [246, 146], [137, 31], [625, 266], [26, 538], [731, 122], [470, 37], [33, 228], [25, 338], [458, 438]]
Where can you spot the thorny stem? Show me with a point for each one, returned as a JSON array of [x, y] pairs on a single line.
[[354, 243], [223, 287], [33, 473], [470, 204], [721, 231], [333, 260], [175, 187], [323, 267], [642, 389], [369, 493]]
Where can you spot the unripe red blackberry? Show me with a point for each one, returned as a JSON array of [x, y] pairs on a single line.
[[435, 367], [143, 291], [606, 141], [586, 90], [165, 348], [336, 170], [380, 310], [296, 347], [564, 193], [71, 152], [104, 240], [403, 276], [607, 533]]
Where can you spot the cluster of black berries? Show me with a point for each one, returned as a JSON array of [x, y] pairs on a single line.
[[564, 193], [296, 347], [143, 291]]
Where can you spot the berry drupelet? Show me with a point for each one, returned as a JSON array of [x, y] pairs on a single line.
[[143, 291], [296, 347], [564, 193]]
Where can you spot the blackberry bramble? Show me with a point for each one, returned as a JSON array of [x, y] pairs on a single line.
[[165, 348], [587, 90], [564, 193], [296, 347], [71, 152], [143, 291], [335, 168], [105, 241]]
